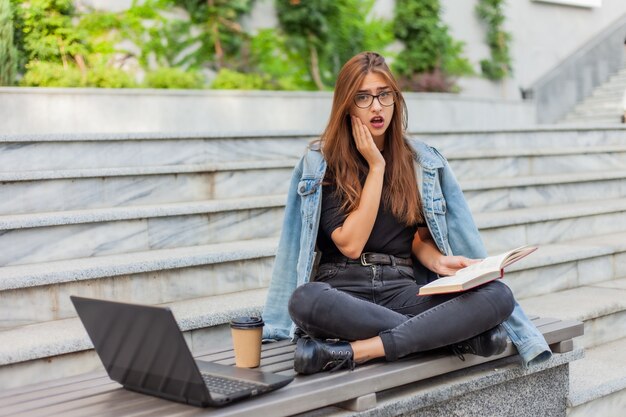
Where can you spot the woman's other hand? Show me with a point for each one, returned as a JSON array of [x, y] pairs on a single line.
[[449, 265], [365, 143]]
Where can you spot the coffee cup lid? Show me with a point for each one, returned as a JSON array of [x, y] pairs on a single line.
[[247, 322]]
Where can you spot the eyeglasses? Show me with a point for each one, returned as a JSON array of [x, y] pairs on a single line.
[[364, 100]]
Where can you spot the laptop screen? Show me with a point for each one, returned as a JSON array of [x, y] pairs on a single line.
[[142, 348]]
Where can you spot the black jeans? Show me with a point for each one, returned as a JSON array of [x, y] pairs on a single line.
[[354, 302]]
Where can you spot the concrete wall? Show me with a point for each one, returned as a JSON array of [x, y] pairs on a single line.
[[544, 34], [58, 110]]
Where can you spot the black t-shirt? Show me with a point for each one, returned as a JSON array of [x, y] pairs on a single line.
[[388, 235]]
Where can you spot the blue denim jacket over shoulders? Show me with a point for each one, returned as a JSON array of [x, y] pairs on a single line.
[[447, 216]]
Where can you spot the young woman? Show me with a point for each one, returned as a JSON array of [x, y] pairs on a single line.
[[387, 216]]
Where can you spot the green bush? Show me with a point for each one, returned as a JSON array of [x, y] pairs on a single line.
[[430, 55], [51, 74], [234, 80], [174, 78], [8, 52], [104, 76]]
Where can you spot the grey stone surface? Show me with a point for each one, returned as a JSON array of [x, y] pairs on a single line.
[[602, 309], [42, 195], [60, 337], [575, 78], [494, 388], [88, 110], [23, 276], [598, 381]]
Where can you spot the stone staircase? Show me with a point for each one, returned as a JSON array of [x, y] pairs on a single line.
[[604, 106], [192, 222]]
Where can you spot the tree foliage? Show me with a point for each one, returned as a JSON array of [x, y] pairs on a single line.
[[492, 14], [8, 52], [431, 55], [189, 43]]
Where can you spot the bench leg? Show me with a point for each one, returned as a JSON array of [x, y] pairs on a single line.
[[362, 403], [562, 347]]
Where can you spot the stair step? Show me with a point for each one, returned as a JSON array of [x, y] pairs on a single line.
[[40, 292], [598, 381], [39, 191], [602, 307], [45, 237], [498, 194], [545, 225], [507, 163], [569, 264], [203, 321], [28, 153]]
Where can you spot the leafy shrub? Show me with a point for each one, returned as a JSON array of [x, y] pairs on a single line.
[[51, 74], [174, 78], [234, 80], [429, 48]]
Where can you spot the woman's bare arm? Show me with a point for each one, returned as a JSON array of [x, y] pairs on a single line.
[[352, 236], [426, 251]]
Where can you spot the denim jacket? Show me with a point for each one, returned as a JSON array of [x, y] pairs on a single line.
[[446, 213]]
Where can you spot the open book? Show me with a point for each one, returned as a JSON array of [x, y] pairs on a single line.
[[477, 274]]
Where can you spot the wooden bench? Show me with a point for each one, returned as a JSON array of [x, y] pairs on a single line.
[[94, 394]]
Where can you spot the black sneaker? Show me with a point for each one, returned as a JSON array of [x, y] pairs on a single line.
[[492, 342], [314, 355]]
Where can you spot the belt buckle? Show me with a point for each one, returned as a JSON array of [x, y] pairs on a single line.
[[363, 261]]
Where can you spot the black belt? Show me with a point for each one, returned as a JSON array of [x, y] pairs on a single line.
[[370, 258]]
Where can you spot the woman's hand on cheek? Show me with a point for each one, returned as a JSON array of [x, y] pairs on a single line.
[[449, 265], [365, 143]]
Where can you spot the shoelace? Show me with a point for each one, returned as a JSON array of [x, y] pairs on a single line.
[[346, 361], [341, 362], [461, 348]]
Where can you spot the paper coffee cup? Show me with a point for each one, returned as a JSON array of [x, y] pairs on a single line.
[[247, 333]]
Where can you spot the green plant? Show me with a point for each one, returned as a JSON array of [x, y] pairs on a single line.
[[8, 52], [174, 78], [430, 51], [327, 33], [283, 66], [228, 79], [51, 74], [492, 14]]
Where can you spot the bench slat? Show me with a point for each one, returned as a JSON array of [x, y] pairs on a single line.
[[98, 396]]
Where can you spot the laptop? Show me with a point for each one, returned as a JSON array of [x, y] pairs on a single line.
[[142, 348]]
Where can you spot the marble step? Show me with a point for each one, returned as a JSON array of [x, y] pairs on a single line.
[[598, 382], [39, 191], [45, 237], [606, 104], [601, 306], [569, 264], [61, 348], [497, 194], [32, 153], [553, 136], [508, 229], [40, 292], [507, 163], [599, 119], [601, 100], [597, 112]]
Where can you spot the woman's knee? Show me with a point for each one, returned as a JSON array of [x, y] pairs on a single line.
[[304, 298], [502, 297]]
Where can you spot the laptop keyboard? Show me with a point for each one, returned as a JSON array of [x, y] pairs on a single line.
[[227, 386]]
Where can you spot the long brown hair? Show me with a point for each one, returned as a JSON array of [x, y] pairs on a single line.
[[346, 165]]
